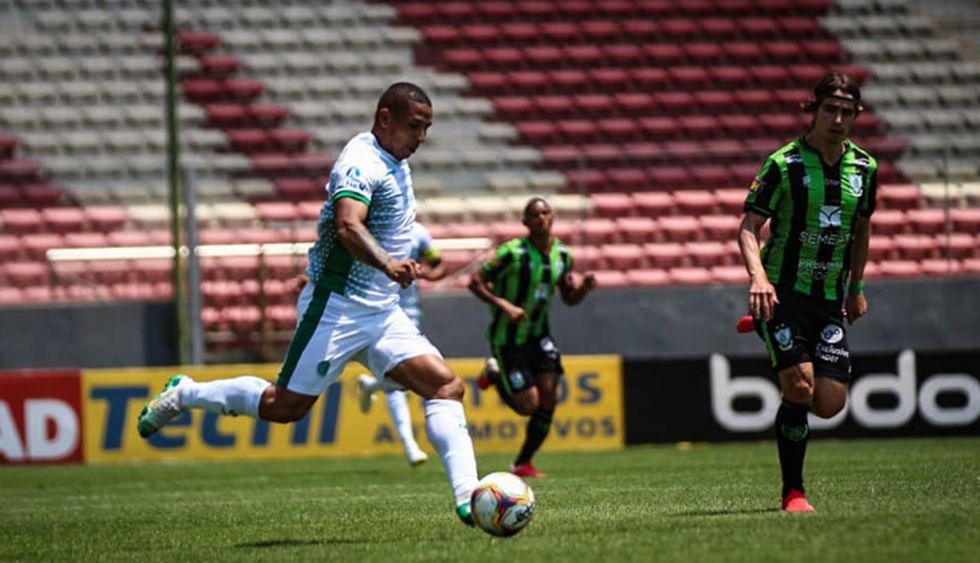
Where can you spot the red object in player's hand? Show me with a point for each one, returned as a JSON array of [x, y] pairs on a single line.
[[745, 325]]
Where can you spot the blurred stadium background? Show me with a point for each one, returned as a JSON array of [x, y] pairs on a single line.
[[643, 121]]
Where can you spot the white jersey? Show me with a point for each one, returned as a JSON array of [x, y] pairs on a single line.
[[421, 249], [366, 172]]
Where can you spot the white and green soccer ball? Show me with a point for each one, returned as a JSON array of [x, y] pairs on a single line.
[[502, 504]]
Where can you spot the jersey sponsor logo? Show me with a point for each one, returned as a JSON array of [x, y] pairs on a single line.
[[792, 158], [353, 179], [819, 269], [756, 185], [857, 184], [831, 238], [784, 338], [911, 393], [831, 354], [832, 334], [829, 216]]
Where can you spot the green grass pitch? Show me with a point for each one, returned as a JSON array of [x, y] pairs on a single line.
[[882, 500]]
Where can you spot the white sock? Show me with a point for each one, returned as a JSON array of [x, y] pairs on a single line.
[[236, 396], [398, 407], [445, 422]]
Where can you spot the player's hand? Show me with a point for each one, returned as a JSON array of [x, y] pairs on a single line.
[[403, 272], [515, 313], [855, 307], [762, 298], [589, 281]]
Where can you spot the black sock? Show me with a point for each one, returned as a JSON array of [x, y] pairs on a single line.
[[537, 430], [792, 433]]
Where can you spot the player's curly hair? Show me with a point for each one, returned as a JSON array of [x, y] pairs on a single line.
[[829, 84], [397, 97]]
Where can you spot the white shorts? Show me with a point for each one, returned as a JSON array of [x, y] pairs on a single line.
[[333, 330]]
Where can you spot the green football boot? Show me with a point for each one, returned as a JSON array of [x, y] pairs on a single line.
[[464, 513], [161, 409]]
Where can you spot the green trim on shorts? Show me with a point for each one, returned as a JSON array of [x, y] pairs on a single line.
[[766, 340], [504, 380], [304, 333]]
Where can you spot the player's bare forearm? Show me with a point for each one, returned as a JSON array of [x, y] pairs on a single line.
[[361, 244], [748, 244], [482, 290], [573, 293], [859, 248], [434, 272]]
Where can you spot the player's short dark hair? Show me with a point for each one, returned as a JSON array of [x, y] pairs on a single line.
[[829, 84], [399, 95], [530, 203]]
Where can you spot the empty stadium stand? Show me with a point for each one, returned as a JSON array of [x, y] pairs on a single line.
[[644, 120]]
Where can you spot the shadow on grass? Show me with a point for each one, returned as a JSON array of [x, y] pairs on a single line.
[[725, 512], [295, 543]]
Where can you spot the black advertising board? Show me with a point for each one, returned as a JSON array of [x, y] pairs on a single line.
[[721, 398]]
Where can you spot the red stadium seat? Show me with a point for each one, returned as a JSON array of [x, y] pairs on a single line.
[[276, 211], [86, 240], [654, 204], [889, 222], [916, 247], [25, 274], [966, 220], [720, 227], [899, 196], [730, 274], [695, 202], [624, 256], [669, 177], [706, 254], [926, 221], [586, 258], [664, 255], [648, 277], [628, 179], [690, 276], [611, 279], [959, 245], [882, 248], [611, 204], [679, 228], [731, 200], [899, 269], [598, 230], [941, 267], [637, 229], [600, 105], [601, 31]]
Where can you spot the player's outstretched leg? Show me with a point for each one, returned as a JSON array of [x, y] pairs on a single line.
[[445, 423], [366, 386], [233, 397], [402, 419], [162, 408]]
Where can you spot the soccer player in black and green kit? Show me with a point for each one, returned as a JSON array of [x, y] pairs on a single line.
[[818, 194], [518, 283]]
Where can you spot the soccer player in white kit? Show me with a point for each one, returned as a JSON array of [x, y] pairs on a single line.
[[432, 269], [349, 310]]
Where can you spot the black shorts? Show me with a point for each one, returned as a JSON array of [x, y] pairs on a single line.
[[807, 330], [520, 364]]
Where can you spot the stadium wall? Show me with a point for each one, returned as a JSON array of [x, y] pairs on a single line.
[[86, 335], [927, 315]]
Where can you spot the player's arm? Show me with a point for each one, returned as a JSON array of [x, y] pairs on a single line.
[[856, 305], [349, 217], [483, 290], [434, 269], [762, 294], [572, 292]]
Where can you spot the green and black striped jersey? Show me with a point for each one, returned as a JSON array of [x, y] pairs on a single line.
[[523, 276], [812, 207]]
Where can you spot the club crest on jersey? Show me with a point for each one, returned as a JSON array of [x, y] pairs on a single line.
[[784, 338], [829, 216], [857, 185]]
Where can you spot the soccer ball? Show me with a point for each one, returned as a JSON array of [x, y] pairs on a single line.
[[502, 504]]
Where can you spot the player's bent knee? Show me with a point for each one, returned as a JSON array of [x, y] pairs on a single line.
[[453, 389]]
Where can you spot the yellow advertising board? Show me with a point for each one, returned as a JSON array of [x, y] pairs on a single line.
[[589, 416]]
